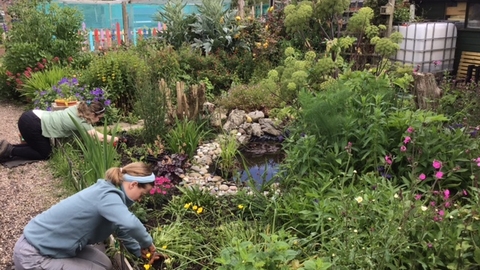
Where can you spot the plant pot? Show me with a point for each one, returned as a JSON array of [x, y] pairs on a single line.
[[65, 103]]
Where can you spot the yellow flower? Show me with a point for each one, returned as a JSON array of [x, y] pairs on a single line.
[[270, 9], [258, 45], [240, 206], [147, 266], [148, 255], [164, 247], [221, 19], [265, 45], [238, 18], [195, 207], [187, 205], [266, 27], [359, 199], [200, 210]]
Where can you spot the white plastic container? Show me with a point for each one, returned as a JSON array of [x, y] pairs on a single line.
[[428, 47]]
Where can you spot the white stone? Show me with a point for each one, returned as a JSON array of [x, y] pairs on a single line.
[[224, 187]]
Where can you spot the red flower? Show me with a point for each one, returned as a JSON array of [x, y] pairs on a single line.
[[27, 74], [35, 69], [69, 59], [9, 73], [44, 60], [56, 59], [18, 74], [40, 66]]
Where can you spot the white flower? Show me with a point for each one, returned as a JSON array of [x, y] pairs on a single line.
[[359, 199], [396, 196], [355, 231], [424, 208]]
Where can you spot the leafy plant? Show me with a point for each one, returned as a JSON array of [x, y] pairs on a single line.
[[150, 107], [43, 81], [227, 159], [98, 155], [185, 136], [172, 166]]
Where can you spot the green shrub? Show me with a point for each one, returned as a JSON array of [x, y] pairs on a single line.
[[248, 98], [185, 136], [117, 72], [43, 80]]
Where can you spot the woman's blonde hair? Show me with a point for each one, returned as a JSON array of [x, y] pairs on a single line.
[[89, 110], [115, 174]]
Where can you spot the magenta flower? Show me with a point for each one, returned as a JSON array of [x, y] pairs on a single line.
[[448, 204], [437, 164], [432, 203], [429, 245], [403, 148], [422, 176], [439, 175], [407, 140], [410, 129], [465, 193], [418, 196], [441, 213], [388, 160], [446, 194]]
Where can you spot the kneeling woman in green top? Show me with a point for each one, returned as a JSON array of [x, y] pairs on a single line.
[[62, 236], [38, 126]]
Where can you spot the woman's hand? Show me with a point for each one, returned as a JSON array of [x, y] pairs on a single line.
[[151, 255]]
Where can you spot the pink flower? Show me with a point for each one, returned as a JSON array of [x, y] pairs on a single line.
[[447, 204], [432, 203], [465, 193], [441, 213], [439, 175], [422, 176], [388, 160], [418, 197], [446, 194], [403, 148], [410, 129], [437, 164], [407, 140]]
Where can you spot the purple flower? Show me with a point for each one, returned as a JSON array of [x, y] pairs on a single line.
[[43, 93], [107, 102]]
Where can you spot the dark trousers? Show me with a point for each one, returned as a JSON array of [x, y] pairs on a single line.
[[37, 146]]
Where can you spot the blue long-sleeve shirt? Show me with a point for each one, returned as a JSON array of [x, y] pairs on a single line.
[[87, 217]]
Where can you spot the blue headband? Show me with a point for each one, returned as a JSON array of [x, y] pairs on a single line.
[[140, 179]]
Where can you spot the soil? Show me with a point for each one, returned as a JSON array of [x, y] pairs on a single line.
[[25, 190]]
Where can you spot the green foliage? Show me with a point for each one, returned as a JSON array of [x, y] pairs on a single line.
[[328, 14], [227, 162], [215, 27], [56, 34], [177, 22], [297, 17], [43, 80], [248, 98], [185, 136], [150, 107], [367, 222], [117, 72], [274, 253], [360, 20], [98, 156]]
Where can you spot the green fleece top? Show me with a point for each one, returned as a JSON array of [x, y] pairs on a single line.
[[87, 217], [58, 124]]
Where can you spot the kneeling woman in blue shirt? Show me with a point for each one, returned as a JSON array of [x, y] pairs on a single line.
[[61, 237]]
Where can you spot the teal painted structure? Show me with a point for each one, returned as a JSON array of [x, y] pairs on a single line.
[[105, 16]]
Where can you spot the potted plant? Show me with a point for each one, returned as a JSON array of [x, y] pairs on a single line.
[[68, 91]]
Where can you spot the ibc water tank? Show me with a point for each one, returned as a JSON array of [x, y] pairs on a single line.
[[428, 47]]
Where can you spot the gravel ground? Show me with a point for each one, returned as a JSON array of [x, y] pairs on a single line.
[[25, 190]]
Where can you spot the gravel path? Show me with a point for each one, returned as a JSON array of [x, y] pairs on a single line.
[[25, 191]]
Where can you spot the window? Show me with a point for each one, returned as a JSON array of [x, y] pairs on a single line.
[[473, 17]]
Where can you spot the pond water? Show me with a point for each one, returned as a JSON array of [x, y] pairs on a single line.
[[260, 162]]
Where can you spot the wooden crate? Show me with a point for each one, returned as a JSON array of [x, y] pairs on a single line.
[[467, 58]]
